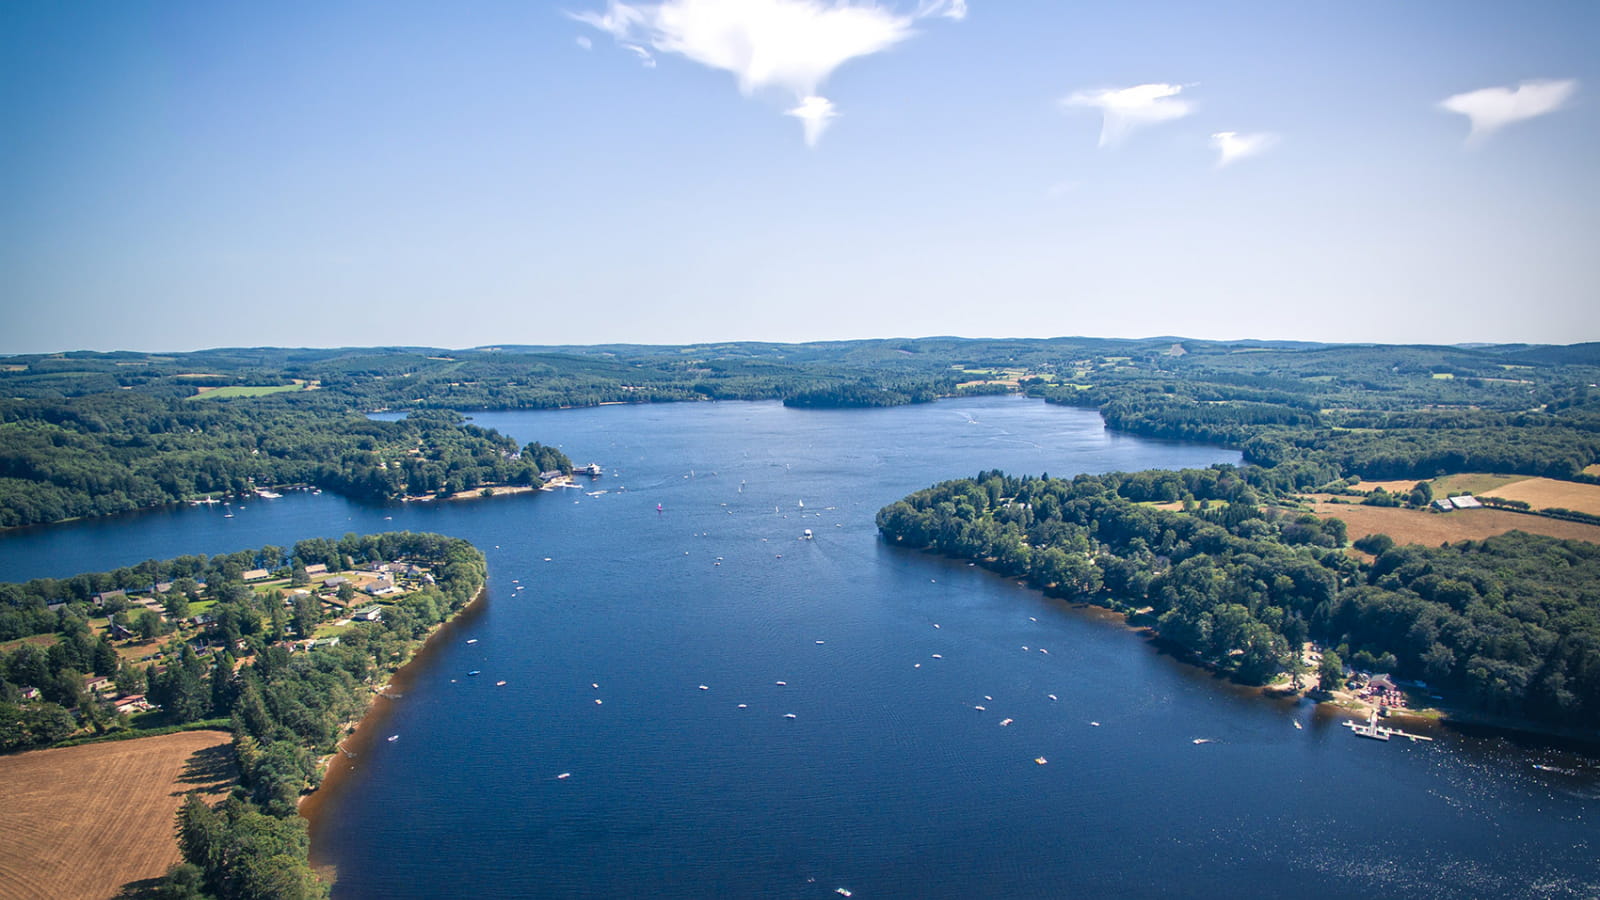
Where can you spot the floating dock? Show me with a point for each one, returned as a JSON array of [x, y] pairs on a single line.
[[1371, 729]]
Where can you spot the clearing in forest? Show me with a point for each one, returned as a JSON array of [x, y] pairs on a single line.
[[83, 822]]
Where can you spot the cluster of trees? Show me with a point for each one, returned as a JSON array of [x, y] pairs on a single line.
[[1513, 623], [110, 453], [299, 698], [864, 395]]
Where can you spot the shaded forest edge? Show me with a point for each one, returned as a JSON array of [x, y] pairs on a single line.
[[87, 434], [287, 695], [1508, 627]]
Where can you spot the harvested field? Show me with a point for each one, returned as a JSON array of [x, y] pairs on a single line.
[[1543, 493], [83, 822], [1474, 483], [1413, 526]]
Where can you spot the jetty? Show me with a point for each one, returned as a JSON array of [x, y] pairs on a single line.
[[1371, 729]]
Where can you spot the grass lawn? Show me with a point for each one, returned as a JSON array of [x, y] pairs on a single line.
[[241, 390]]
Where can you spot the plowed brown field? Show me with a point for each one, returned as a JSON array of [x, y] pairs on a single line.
[[83, 822]]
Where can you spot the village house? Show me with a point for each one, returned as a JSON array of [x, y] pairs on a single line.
[[101, 598], [370, 614], [30, 693], [381, 587], [318, 569], [255, 575]]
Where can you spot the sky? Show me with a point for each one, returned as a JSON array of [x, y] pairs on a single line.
[[178, 176]]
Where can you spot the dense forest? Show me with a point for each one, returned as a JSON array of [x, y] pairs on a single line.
[[95, 433], [285, 708], [1509, 625]]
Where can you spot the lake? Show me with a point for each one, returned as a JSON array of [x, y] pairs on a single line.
[[684, 599]]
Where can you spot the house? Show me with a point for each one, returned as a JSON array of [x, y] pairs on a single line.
[[255, 575], [162, 587], [120, 632], [101, 598], [318, 569], [96, 683], [1465, 501], [30, 693], [322, 642], [56, 605], [133, 703], [1443, 506], [381, 587], [335, 581], [370, 614]]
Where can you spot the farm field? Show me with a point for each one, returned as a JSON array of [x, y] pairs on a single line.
[[1543, 493], [83, 822], [1413, 526]]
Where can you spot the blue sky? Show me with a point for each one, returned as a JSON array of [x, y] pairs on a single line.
[[178, 176]]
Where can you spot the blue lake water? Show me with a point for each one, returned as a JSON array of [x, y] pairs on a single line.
[[887, 781]]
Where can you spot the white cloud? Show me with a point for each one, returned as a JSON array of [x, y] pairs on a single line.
[[814, 113], [1124, 109], [1233, 146], [1491, 109], [786, 45], [585, 43]]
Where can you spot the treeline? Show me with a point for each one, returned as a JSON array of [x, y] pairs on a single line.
[[107, 454], [1511, 623], [96, 433]]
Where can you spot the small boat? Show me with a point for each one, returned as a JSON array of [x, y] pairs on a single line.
[[1051, 696], [393, 738], [472, 674], [1040, 760], [1005, 722], [788, 715], [1298, 726], [598, 701], [843, 892], [1095, 724], [936, 624], [704, 688], [821, 642], [499, 684], [937, 656], [563, 776], [980, 708], [806, 536], [744, 706], [781, 683], [472, 640], [1202, 740]]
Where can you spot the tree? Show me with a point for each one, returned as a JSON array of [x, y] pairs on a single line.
[[1330, 674]]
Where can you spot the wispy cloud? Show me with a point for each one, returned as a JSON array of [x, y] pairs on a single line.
[[645, 59], [1124, 109], [1233, 146], [585, 43], [786, 45], [1491, 109]]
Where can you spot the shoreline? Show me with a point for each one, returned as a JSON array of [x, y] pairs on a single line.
[[1444, 715], [358, 734]]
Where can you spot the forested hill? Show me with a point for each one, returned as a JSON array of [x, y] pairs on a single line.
[[1510, 624], [87, 433]]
